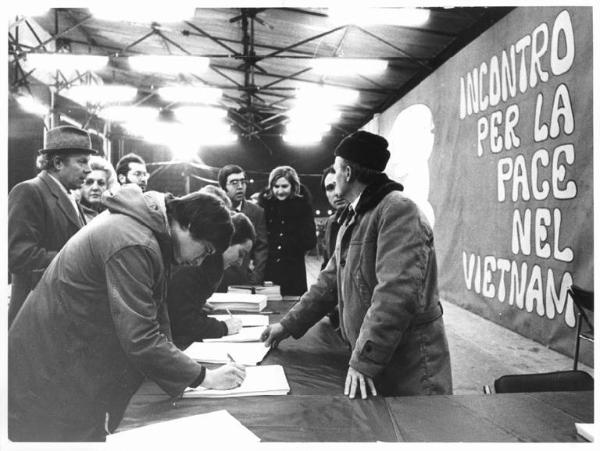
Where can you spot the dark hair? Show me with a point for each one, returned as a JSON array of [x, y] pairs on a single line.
[[216, 191], [205, 216], [328, 170], [243, 229], [288, 173], [362, 174], [122, 167], [226, 171]]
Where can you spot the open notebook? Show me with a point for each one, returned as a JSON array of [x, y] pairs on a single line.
[[248, 320], [242, 302], [245, 334], [244, 353], [260, 381], [202, 429]]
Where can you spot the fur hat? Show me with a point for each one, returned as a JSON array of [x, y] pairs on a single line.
[[67, 138], [364, 148]]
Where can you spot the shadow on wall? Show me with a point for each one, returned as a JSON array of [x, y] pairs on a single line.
[[411, 142]]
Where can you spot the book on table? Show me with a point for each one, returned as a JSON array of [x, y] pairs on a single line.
[[267, 380], [273, 292], [248, 320], [206, 427], [238, 301], [246, 334], [249, 353]]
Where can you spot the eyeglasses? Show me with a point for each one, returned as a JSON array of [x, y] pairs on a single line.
[[237, 182], [330, 187]]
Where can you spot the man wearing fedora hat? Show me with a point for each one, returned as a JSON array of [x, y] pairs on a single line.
[[42, 213], [383, 278]]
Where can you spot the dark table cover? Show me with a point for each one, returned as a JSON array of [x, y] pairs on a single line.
[[317, 411]]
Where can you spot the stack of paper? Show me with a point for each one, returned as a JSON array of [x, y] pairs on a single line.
[[238, 301], [244, 335], [247, 320], [218, 427], [243, 353], [273, 292], [268, 380]]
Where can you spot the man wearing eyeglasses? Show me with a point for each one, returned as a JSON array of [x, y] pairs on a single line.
[[131, 168], [97, 323], [232, 179]]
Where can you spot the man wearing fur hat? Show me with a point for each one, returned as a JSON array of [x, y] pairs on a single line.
[[42, 212], [384, 273]]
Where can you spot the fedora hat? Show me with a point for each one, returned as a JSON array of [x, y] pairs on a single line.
[[67, 138]]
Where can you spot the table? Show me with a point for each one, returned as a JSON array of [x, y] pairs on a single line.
[[317, 411]]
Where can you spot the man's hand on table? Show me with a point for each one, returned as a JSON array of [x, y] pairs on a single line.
[[273, 334], [225, 377], [355, 379]]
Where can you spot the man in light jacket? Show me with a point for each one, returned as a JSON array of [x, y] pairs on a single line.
[[97, 322], [383, 277]]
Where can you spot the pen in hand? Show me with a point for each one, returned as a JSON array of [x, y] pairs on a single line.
[[231, 359]]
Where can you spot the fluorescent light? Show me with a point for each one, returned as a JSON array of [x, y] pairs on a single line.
[[66, 62], [301, 139], [309, 127], [315, 97], [128, 113], [379, 16], [100, 94], [168, 64], [169, 12], [190, 94], [348, 66], [315, 114], [196, 113], [32, 105]]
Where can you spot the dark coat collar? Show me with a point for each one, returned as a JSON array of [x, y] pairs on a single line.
[[372, 195]]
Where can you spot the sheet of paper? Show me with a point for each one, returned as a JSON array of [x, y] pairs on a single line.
[[244, 353], [586, 430], [201, 429], [267, 380], [247, 320], [246, 334]]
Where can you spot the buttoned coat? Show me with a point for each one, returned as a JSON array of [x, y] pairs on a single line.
[[291, 232], [385, 275], [95, 326], [41, 219]]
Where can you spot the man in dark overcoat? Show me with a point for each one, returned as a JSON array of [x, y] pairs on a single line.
[[42, 212], [232, 179]]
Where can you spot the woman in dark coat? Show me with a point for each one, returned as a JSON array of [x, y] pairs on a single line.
[[290, 230]]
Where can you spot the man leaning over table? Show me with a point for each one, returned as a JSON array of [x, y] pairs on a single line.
[[384, 273], [97, 322]]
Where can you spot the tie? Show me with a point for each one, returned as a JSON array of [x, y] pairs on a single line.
[[349, 215]]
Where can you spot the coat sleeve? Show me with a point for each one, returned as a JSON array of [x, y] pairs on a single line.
[[403, 251], [26, 230], [131, 275], [319, 300], [186, 295], [260, 251]]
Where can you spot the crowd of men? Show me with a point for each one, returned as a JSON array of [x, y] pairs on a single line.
[[91, 275]]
